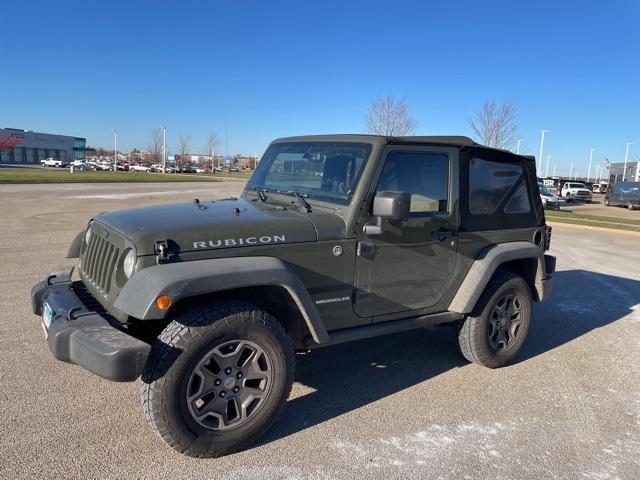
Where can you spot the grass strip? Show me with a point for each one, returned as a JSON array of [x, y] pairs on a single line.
[[36, 175]]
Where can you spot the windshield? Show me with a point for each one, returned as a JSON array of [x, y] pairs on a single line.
[[326, 170], [544, 190], [577, 185]]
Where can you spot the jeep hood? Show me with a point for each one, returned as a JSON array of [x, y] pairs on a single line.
[[229, 223]]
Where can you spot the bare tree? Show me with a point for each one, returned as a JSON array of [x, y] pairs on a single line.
[[495, 124], [389, 116], [210, 147], [184, 145], [155, 146]]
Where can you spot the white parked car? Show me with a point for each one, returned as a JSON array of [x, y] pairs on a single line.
[[139, 168], [104, 166], [572, 191], [549, 199], [77, 163], [52, 162]]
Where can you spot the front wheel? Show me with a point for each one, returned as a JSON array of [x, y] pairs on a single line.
[[493, 334], [217, 378]]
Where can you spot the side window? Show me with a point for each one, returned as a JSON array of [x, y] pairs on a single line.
[[490, 183], [424, 175], [519, 201]]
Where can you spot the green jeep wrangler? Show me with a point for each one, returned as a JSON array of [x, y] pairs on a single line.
[[335, 238]]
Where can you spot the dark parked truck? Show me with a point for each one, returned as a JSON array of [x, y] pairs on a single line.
[[334, 238]]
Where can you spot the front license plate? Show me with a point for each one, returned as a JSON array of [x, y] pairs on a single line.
[[47, 315]]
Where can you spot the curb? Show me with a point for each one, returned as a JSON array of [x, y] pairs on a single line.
[[589, 227]]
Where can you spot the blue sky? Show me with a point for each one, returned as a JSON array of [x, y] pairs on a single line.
[[271, 69]]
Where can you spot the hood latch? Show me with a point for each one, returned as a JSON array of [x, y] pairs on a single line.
[[161, 249]]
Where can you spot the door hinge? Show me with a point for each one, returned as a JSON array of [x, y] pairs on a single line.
[[366, 249]]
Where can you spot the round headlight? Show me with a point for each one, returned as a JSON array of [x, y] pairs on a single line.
[[129, 263], [87, 235]]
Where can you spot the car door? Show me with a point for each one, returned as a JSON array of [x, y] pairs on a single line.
[[614, 194], [410, 264]]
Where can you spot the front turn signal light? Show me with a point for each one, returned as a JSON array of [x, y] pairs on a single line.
[[163, 302]]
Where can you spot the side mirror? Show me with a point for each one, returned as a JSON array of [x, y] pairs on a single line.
[[391, 206]]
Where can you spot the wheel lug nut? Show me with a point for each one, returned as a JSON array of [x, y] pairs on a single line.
[[217, 382], [227, 370], [239, 375], [236, 389], [223, 394]]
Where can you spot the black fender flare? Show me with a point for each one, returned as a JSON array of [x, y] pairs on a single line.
[[485, 265], [187, 279], [76, 243]]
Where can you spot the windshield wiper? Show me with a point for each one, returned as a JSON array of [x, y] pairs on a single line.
[[262, 193], [301, 197]]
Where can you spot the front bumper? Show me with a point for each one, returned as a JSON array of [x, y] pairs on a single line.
[[77, 334]]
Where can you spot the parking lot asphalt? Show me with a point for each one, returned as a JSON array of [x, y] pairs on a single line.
[[400, 406], [596, 207]]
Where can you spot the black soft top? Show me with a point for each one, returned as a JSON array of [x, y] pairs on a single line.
[[449, 140]]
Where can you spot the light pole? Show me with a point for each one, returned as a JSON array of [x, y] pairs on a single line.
[[546, 172], [541, 146], [115, 150], [518, 146], [164, 149], [554, 169], [590, 158], [626, 156], [571, 171]]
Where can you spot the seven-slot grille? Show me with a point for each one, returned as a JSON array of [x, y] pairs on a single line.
[[100, 258]]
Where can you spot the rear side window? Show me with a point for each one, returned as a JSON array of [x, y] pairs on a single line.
[[491, 183]]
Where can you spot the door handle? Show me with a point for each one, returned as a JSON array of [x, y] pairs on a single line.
[[441, 234]]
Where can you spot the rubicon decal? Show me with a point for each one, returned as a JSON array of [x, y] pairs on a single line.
[[240, 242]]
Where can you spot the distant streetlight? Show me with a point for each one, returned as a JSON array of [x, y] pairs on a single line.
[[518, 146], [115, 150], [571, 171], [554, 169], [541, 146], [164, 149], [590, 158], [546, 172], [626, 156]]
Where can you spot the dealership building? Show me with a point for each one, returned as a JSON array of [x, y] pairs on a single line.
[[617, 171], [32, 147]]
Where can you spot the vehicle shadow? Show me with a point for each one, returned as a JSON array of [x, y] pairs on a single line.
[[345, 377], [582, 301]]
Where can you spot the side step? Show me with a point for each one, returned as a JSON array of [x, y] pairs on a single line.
[[384, 328]]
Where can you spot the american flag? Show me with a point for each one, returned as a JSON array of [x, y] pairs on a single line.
[[607, 163]]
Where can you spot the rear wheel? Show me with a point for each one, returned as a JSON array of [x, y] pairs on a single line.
[[605, 201], [217, 378], [496, 329], [631, 206]]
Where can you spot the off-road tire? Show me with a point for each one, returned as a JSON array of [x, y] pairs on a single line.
[[631, 206], [605, 201], [179, 348], [473, 334]]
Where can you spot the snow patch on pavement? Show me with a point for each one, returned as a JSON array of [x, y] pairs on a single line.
[[426, 446]]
